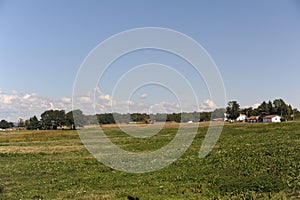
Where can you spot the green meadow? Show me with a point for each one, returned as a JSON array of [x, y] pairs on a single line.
[[249, 161]]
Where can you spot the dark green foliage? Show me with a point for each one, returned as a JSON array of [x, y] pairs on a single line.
[[296, 114], [174, 117], [264, 109], [111, 118], [75, 118], [106, 118], [233, 110], [218, 113], [51, 119], [33, 123], [5, 124], [205, 116]]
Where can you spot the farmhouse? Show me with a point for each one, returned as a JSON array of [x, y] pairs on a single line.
[[253, 119], [241, 118], [271, 118]]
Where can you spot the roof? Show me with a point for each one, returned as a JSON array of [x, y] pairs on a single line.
[[253, 117], [270, 116]]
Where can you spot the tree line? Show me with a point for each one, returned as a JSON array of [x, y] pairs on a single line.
[[5, 124], [53, 119]]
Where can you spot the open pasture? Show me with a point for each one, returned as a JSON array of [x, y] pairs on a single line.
[[249, 161]]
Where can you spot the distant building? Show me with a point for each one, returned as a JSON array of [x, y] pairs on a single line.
[[271, 118], [253, 119], [218, 119], [226, 117], [241, 118]]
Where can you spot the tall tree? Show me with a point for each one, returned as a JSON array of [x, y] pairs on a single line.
[[233, 109], [247, 111], [75, 118], [263, 109], [33, 123], [280, 107], [51, 119], [296, 114], [21, 123], [270, 108]]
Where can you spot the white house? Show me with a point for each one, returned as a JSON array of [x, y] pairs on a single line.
[[241, 118], [271, 118], [226, 117]]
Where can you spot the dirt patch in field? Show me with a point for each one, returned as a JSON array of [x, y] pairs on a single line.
[[47, 149]]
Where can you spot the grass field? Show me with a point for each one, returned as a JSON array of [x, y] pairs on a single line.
[[250, 161]]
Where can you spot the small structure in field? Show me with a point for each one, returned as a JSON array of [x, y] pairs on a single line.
[[220, 119], [272, 118], [253, 119], [241, 118]]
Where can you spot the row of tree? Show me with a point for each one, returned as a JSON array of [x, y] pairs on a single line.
[[52, 119], [277, 107], [109, 118]]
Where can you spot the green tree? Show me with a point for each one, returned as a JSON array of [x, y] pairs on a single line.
[[263, 109], [33, 123], [270, 108], [5, 124], [296, 114], [218, 113], [51, 119], [233, 109], [21, 123], [158, 117], [106, 118], [205, 116], [254, 112], [281, 108], [78, 116], [174, 117], [247, 111]]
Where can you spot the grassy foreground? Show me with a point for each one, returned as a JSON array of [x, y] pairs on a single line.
[[250, 161]]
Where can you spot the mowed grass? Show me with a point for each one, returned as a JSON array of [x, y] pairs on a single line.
[[249, 161]]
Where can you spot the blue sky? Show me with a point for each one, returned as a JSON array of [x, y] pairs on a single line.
[[255, 44]]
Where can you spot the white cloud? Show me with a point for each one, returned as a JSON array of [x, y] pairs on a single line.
[[26, 96], [52, 107], [256, 105], [170, 107], [85, 99], [7, 99], [207, 105], [17, 105], [66, 100], [144, 96], [105, 97], [24, 105]]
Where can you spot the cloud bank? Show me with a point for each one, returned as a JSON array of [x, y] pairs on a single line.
[[15, 105]]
